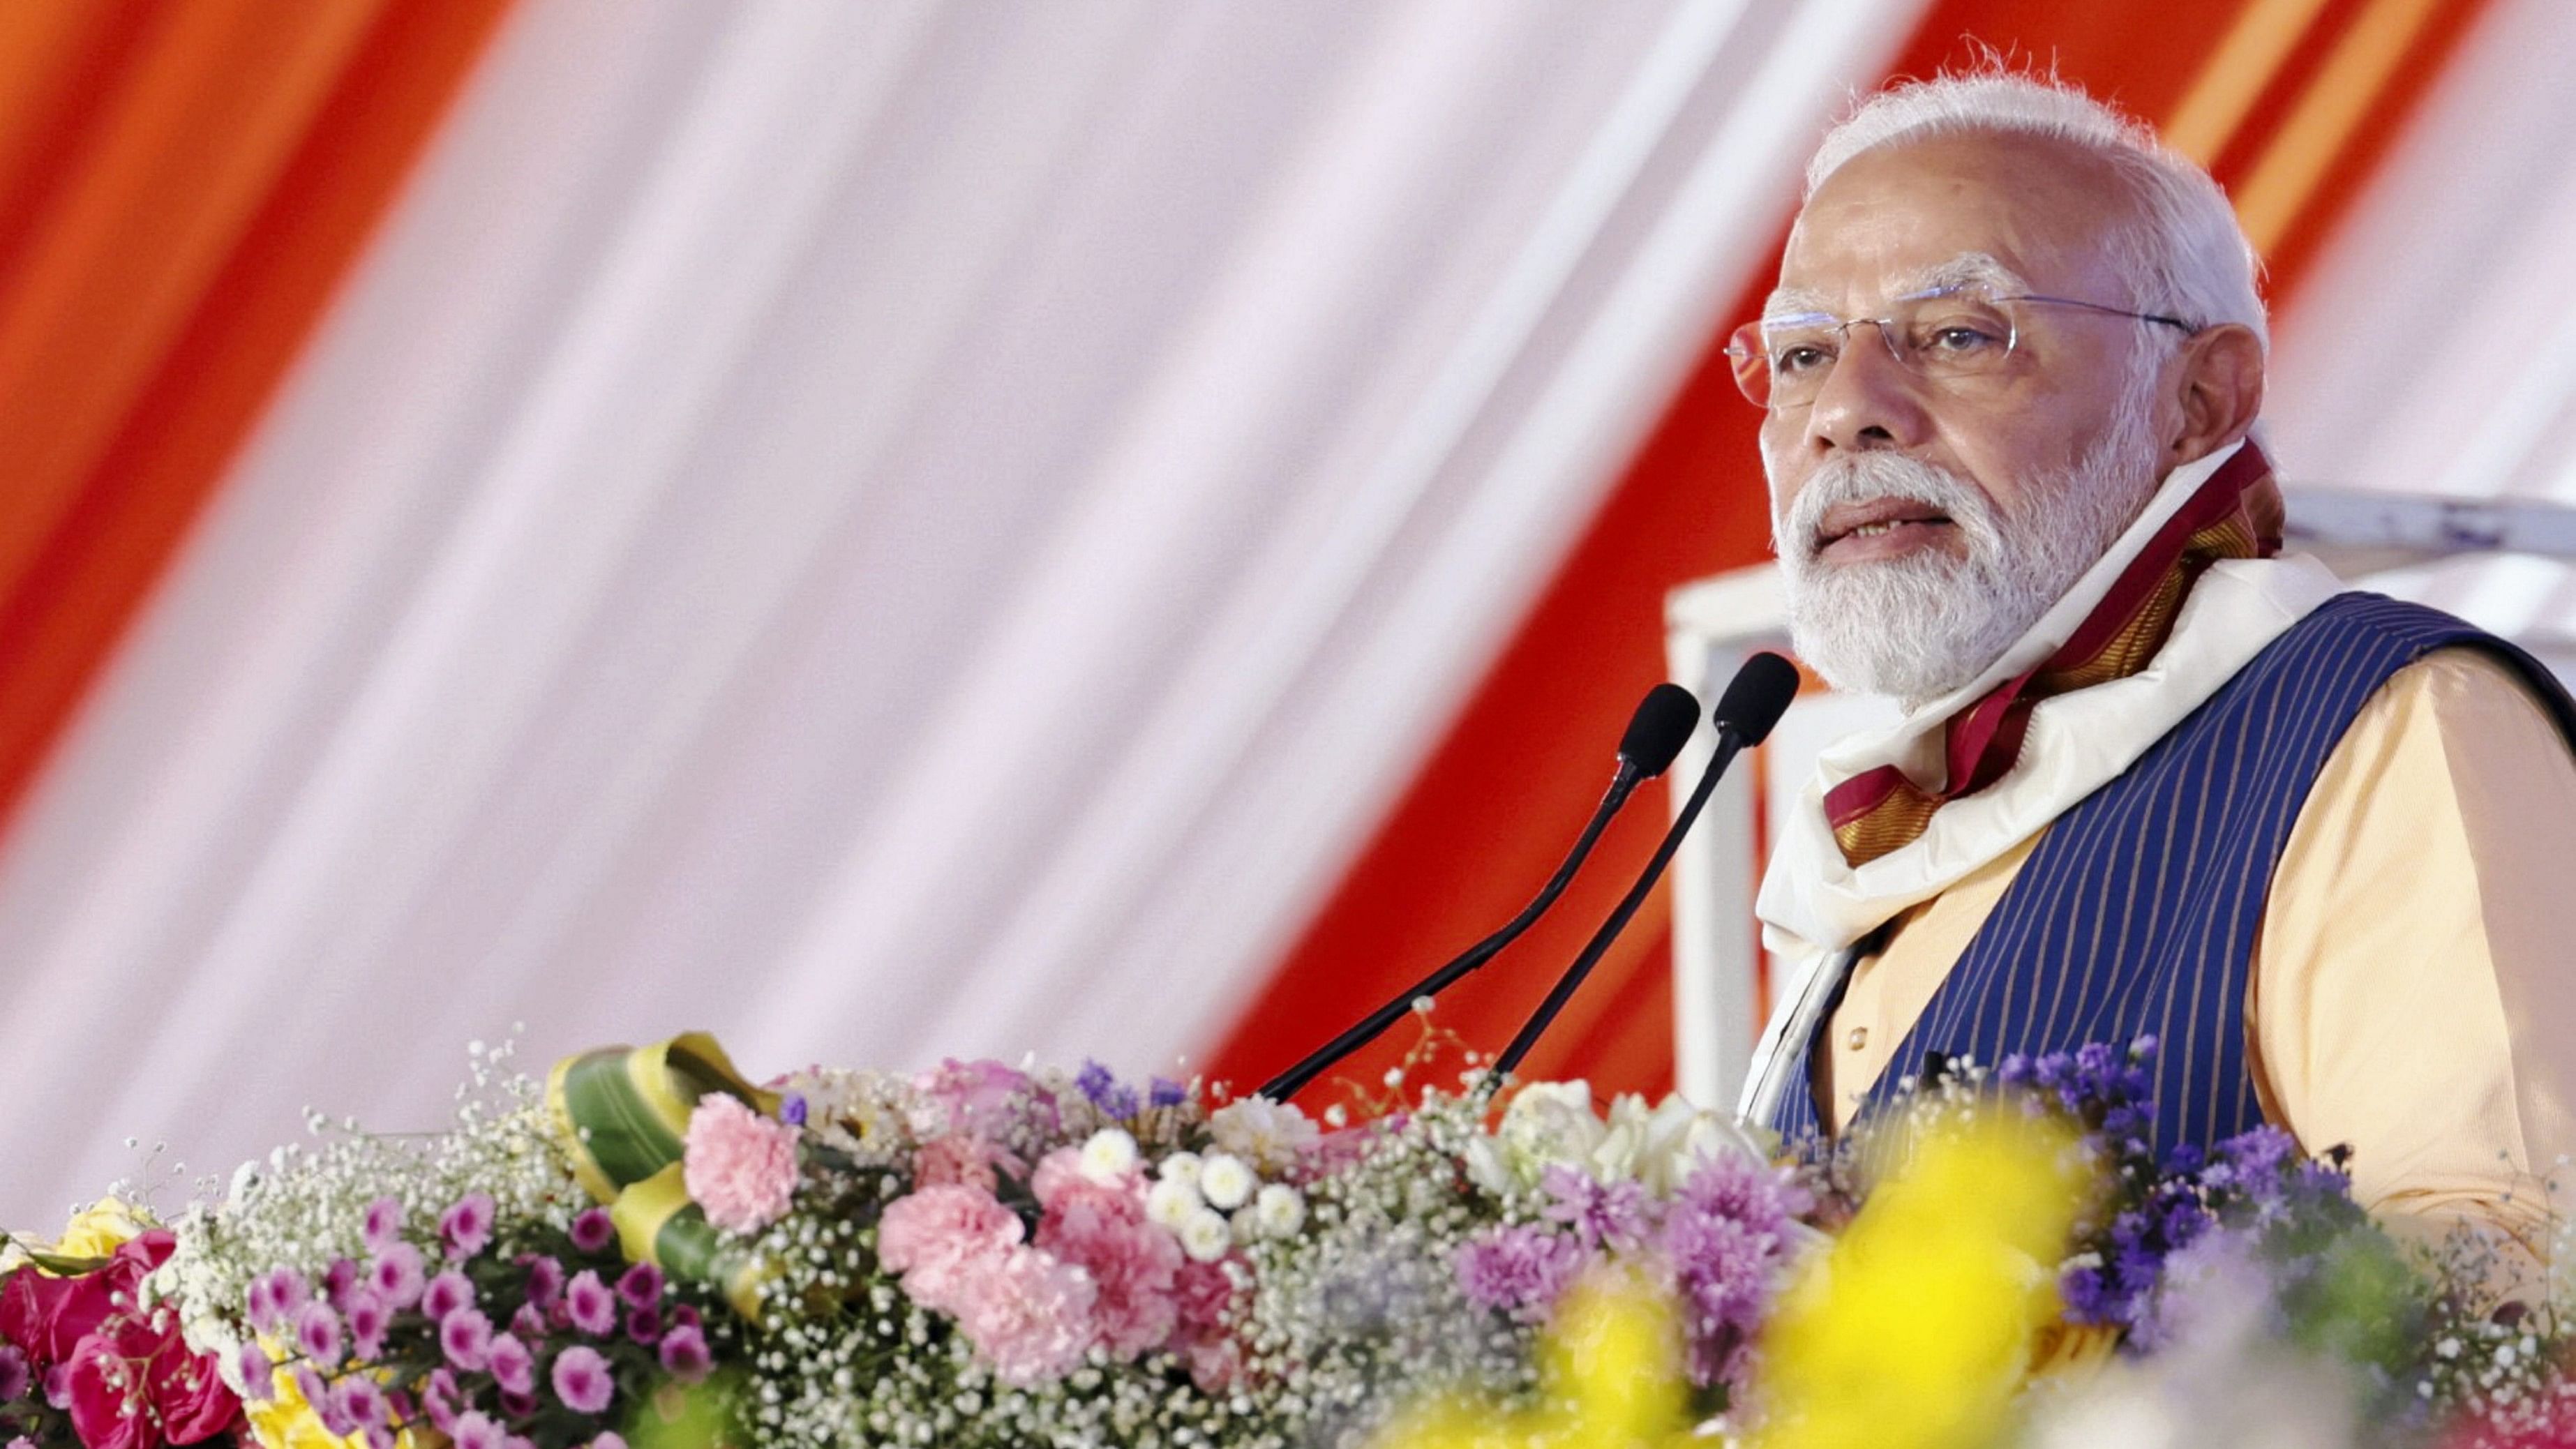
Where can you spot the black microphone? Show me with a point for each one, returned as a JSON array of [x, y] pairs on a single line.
[[1754, 701], [1656, 732]]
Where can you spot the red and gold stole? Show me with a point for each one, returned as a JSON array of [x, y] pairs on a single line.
[[2235, 515]]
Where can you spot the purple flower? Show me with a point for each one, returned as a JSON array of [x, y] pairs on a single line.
[[582, 1380], [310, 1385], [474, 1431], [609, 1439], [465, 1337], [681, 1315], [1164, 1092], [359, 1400], [369, 1316], [1518, 1270], [334, 1414], [1096, 1083], [383, 1225], [438, 1399], [317, 1334], [643, 1324], [58, 1385], [545, 1281], [517, 1407], [685, 1356], [1612, 1215], [791, 1109], [15, 1375], [449, 1292], [641, 1286], [593, 1306], [257, 1374], [528, 1323], [398, 1273], [336, 1283], [467, 1226], [1727, 1235], [593, 1230], [512, 1366]]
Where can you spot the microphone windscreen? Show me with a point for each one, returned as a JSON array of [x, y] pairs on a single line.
[[1658, 730], [1756, 697]]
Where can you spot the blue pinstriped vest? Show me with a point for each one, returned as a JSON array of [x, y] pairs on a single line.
[[2137, 912]]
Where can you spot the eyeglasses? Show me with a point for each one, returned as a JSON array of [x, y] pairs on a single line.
[[1948, 336]]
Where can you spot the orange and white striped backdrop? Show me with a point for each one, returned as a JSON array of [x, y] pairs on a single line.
[[958, 527]]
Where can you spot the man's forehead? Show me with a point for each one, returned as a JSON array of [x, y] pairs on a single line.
[[1963, 269], [1891, 219]]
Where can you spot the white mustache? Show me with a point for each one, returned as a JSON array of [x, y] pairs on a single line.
[[1867, 477]]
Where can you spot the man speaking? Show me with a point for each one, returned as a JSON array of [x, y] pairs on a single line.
[[2151, 779]]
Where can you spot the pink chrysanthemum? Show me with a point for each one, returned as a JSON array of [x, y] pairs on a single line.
[[739, 1166]]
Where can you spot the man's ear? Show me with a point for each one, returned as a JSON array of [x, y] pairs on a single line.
[[2218, 385]]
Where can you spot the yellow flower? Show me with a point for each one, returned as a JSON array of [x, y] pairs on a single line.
[[288, 1421], [1610, 1377], [96, 1231], [1915, 1330]]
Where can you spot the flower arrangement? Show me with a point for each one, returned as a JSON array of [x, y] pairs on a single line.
[[646, 1248]]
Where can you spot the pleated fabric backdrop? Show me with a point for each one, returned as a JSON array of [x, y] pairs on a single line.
[[910, 529]]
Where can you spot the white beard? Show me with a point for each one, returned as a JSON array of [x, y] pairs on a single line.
[[1920, 626]]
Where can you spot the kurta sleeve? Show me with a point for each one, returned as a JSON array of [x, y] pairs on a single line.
[[2413, 994]]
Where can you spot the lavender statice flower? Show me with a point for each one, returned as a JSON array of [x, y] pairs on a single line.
[[1105, 1091], [792, 1109], [1616, 1216], [1164, 1092], [1520, 1270], [1729, 1234]]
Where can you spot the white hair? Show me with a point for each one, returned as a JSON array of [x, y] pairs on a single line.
[[2186, 255]]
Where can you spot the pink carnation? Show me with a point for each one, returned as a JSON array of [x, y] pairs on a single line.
[[739, 1166], [1203, 1294], [1028, 1312], [974, 1098], [954, 1162], [1133, 1262], [934, 1235]]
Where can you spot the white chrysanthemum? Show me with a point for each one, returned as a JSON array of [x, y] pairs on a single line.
[[1181, 1167], [1267, 1134], [1206, 1235], [1171, 1202], [1109, 1155], [1225, 1181], [1280, 1209], [1551, 1124]]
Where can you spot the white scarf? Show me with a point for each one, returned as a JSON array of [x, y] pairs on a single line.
[[1814, 902]]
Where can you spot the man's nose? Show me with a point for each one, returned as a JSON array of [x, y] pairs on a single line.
[[1870, 399]]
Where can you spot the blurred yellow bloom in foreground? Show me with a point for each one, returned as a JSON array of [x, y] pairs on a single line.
[[1610, 1378], [1917, 1327]]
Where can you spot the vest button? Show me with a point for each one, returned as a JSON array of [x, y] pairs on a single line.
[[1858, 1038]]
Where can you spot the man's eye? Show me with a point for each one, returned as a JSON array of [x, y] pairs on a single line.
[[1792, 358], [1959, 339]]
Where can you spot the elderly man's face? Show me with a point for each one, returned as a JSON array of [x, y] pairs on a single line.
[[1952, 495]]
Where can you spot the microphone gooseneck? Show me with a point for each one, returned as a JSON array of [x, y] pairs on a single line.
[[1656, 732], [1753, 702]]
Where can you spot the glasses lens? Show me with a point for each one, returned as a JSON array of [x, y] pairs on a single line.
[[1953, 334], [1752, 369]]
